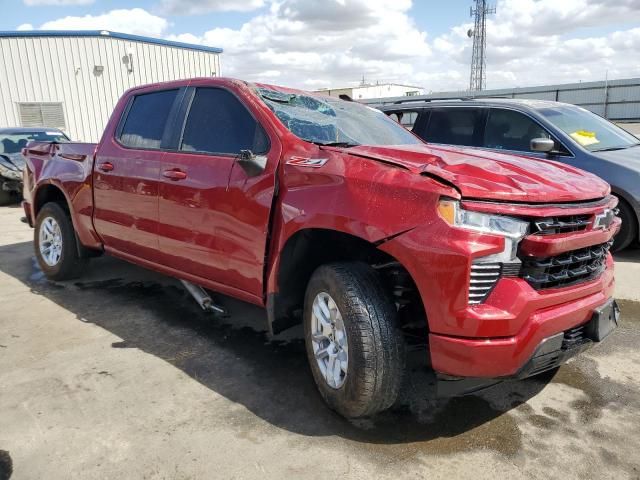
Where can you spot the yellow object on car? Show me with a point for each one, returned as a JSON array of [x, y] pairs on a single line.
[[585, 138]]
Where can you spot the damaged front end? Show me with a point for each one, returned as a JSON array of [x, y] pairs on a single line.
[[11, 174]]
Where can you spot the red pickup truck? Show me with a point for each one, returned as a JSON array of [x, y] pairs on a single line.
[[327, 212]]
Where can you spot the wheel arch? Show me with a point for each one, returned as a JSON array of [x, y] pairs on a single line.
[[632, 202], [46, 193], [307, 249], [50, 192]]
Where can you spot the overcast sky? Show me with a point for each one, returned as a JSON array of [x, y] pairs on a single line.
[[333, 43]]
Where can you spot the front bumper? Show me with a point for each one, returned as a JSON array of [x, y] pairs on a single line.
[[541, 314], [537, 315], [552, 352]]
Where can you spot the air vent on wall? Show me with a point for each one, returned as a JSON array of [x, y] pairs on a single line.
[[47, 114]]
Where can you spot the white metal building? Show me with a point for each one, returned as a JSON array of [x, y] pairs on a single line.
[[73, 79], [366, 91]]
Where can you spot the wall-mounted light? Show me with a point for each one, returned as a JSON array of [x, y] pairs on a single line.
[[128, 60], [98, 70]]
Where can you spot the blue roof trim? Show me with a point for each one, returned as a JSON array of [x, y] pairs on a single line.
[[107, 33]]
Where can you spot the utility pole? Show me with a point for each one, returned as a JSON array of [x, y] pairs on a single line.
[[606, 94], [479, 35]]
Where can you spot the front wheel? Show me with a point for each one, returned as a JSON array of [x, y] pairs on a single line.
[[629, 228], [355, 350], [55, 243]]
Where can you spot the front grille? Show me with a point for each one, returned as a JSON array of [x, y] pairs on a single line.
[[484, 277], [562, 224], [567, 269]]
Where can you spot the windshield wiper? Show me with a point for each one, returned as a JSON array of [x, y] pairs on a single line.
[[337, 144], [613, 149]]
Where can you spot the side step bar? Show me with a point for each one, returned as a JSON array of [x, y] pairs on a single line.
[[203, 298]]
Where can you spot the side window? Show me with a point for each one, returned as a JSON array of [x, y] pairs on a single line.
[[406, 118], [146, 119], [454, 126], [510, 130], [395, 116], [219, 123]]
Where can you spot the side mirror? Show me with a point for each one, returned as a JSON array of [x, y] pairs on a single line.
[[251, 163], [544, 145]]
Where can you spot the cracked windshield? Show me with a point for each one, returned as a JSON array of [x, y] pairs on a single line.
[[330, 121]]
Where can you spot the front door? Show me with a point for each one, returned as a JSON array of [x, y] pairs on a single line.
[[213, 216], [126, 176], [511, 132]]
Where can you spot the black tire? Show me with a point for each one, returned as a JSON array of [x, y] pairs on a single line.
[[629, 229], [70, 264], [5, 197], [376, 356]]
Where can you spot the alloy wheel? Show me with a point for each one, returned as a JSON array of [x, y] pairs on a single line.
[[329, 340]]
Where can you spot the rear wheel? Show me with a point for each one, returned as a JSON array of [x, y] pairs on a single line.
[[355, 350], [5, 197], [55, 243], [629, 229]]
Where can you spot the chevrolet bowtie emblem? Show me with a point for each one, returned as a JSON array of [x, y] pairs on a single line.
[[603, 220]]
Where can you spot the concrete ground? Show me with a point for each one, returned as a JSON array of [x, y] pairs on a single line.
[[119, 375]]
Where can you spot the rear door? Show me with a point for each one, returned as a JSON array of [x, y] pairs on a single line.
[[409, 119], [463, 126], [127, 172], [214, 217]]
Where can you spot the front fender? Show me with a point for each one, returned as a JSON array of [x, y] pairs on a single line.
[[364, 198]]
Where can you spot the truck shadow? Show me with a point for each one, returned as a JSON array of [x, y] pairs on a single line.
[[234, 358], [629, 255]]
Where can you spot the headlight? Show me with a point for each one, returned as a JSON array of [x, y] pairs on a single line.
[[8, 172], [512, 229]]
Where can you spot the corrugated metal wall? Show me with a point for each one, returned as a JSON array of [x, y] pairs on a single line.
[[63, 69], [616, 99]]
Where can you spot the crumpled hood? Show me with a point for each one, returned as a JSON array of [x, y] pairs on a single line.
[[492, 176], [14, 159]]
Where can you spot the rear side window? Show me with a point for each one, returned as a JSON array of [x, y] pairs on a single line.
[[219, 123], [509, 130], [147, 119], [455, 126], [406, 118]]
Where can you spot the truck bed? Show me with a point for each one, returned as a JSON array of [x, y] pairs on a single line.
[[67, 166]]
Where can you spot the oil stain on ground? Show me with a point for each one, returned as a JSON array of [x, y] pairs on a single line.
[[600, 393], [6, 465], [629, 312]]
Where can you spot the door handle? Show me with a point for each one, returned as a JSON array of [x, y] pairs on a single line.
[[106, 166], [175, 174]]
